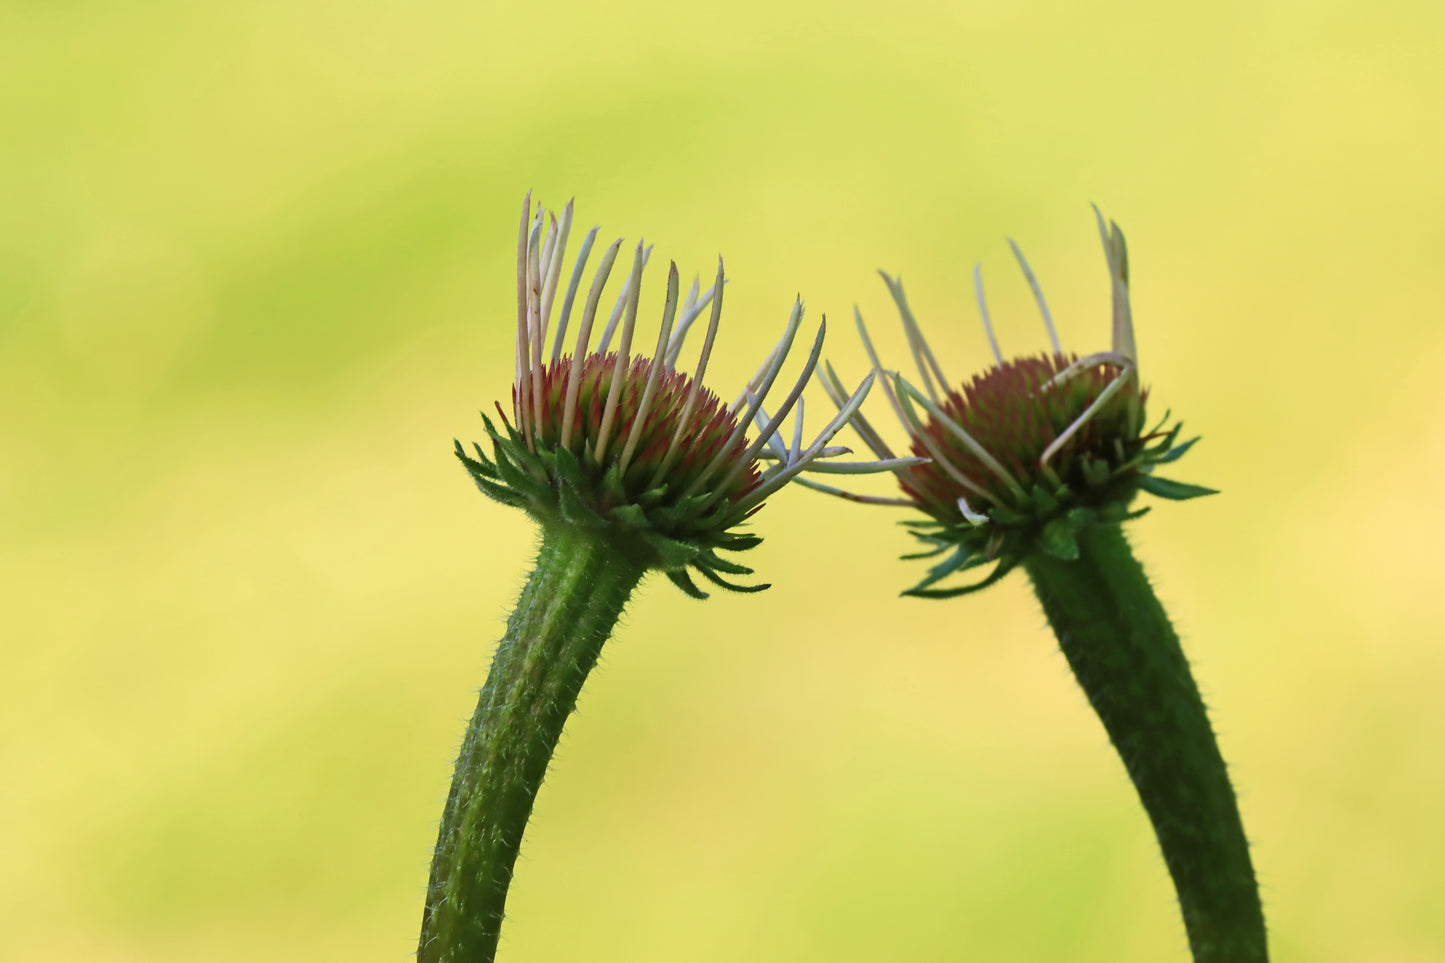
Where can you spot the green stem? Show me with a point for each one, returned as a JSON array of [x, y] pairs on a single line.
[[1125, 654], [566, 612]]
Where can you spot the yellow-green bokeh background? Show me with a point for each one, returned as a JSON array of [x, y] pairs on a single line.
[[255, 274]]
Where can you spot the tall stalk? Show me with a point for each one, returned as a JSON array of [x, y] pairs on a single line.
[[565, 613], [1125, 654]]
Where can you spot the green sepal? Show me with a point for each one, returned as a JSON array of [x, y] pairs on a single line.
[[480, 469], [684, 509], [943, 546], [710, 559], [1004, 566], [1173, 490], [567, 467], [1176, 453], [1096, 471], [612, 487], [499, 493], [574, 507], [679, 577], [738, 541], [1057, 539], [515, 476], [716, 579], [482, 459], [491, 429], [961, 560], [481, 465], [1044, 499], [669, 554], [720, 517], [1004, 516], [630, 515], [652, 496], [1165, 443]]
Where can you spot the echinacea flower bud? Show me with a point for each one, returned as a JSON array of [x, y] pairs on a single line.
[[630, 447], [1030, 452]]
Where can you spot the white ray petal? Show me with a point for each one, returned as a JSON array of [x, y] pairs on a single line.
[[534, 319], [969, 515], [1038, 296], [918, 430], [524, 365], [554, 268], [1089, 361], [1113, 388], [922, 354], [622, 299], [778, 450], [772, 484], [684, 323], [983, 312], [684, 420], [644, 405], [794, 397], [584, 333], [624, 356], [818, 465], [572, 294], [852, 496], [757, 388], [958, 431], [1117, 255], [833, 388]]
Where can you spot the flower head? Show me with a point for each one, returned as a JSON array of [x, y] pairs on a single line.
[[1028, 453], [629, 446]]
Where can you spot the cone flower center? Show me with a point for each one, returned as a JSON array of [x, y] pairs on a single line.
[[1015, 411], [678, 451]]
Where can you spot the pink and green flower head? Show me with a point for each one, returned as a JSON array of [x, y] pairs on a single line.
[[630, 447], [1027, 454]]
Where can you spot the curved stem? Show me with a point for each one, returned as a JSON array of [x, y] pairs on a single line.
[[1126, 655], [565, 613]]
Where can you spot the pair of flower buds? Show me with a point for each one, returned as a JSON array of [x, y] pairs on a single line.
[[631, 465], [1014, 463]]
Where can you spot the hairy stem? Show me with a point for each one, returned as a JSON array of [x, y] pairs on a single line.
[[566, 612], [1127, 657]]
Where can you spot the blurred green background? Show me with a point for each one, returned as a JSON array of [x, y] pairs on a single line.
[[256, 274]]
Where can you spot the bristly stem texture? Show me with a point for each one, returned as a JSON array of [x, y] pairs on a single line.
[[566, 612], [1126, 655]]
